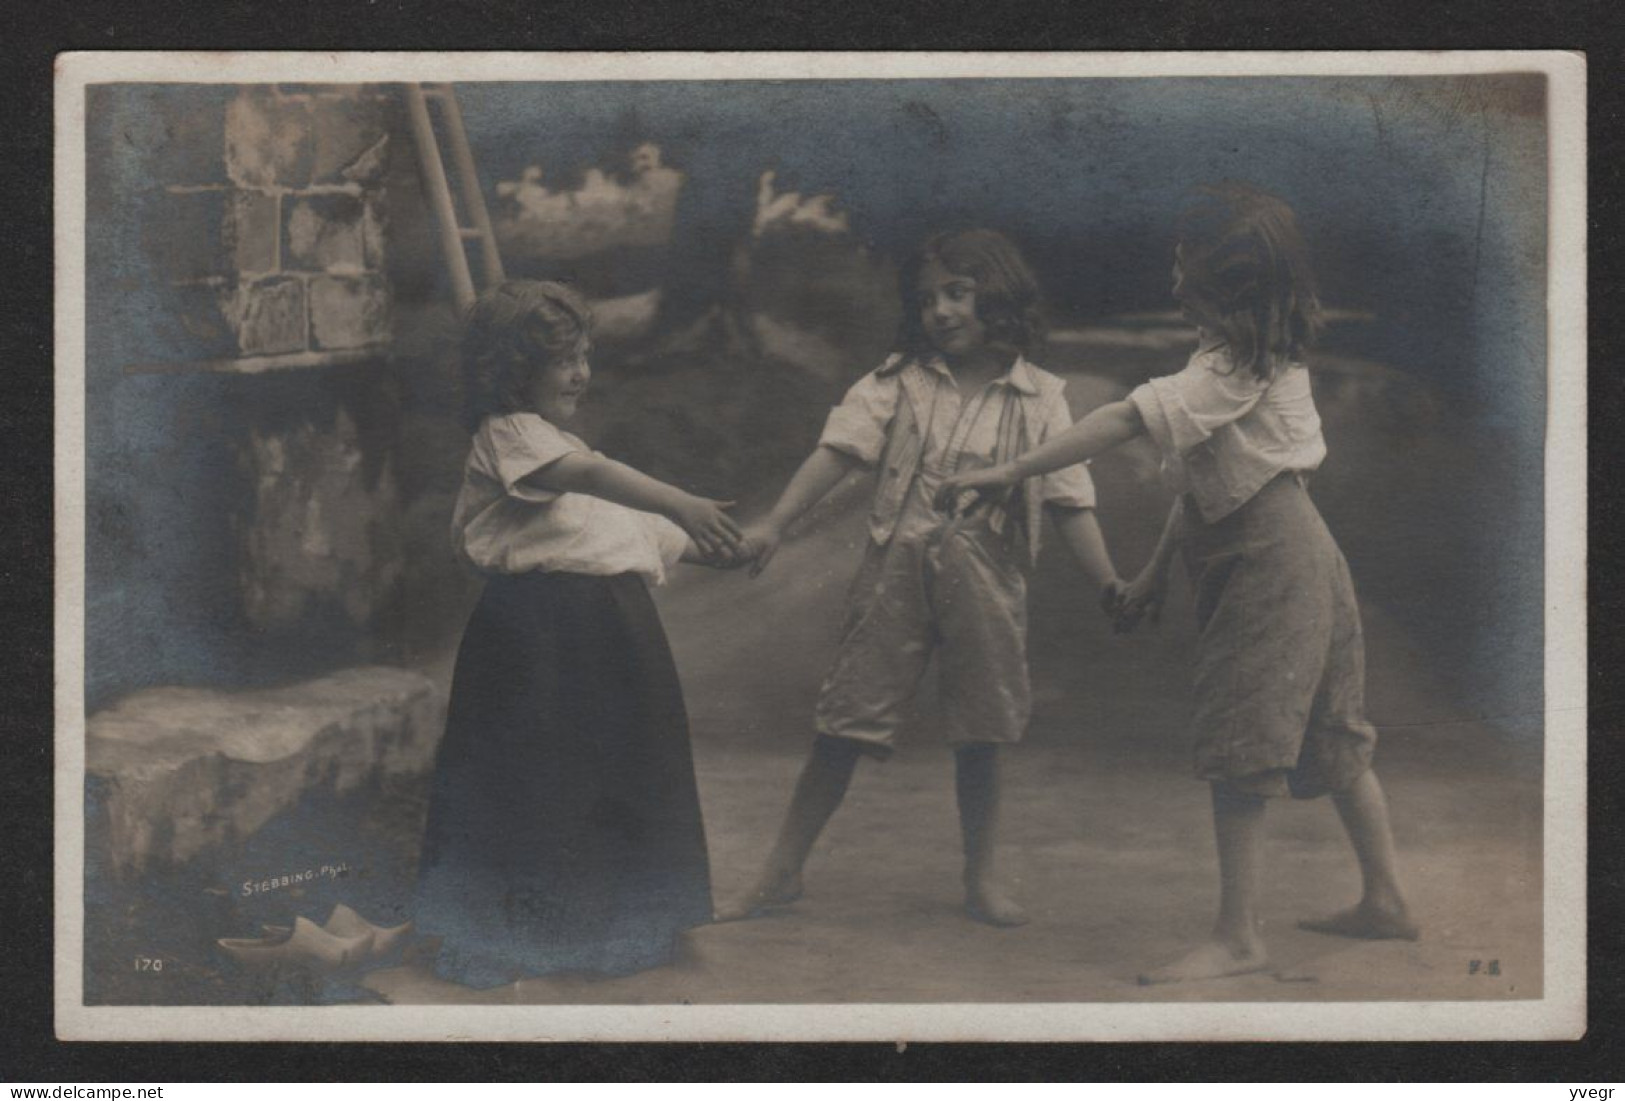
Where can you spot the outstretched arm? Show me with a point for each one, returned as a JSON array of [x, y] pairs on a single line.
[[821, 472], [1080, 530], [1147, 591], [712, 530], [1101, 430]]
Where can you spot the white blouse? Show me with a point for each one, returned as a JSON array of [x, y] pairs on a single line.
[[504, 525], [1224, 433]]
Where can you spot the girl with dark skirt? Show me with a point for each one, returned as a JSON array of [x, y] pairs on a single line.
[[564, 830], [1280, 666]]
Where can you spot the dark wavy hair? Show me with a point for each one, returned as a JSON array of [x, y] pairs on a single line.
[[1007, 295], [510, 332], [1245, 260]]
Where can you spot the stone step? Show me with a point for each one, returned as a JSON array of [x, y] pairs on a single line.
[[179, 772]]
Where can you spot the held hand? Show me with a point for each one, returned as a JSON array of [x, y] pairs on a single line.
[[712, 529], [988, 484], [1144, 596], [726, 560], [1111, 597], [762, 541]]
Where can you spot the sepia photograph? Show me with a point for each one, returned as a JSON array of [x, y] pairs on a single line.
[[821, 546]]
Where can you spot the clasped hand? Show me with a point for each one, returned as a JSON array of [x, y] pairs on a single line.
[[715, 534], [1128, 604], [985, 487]]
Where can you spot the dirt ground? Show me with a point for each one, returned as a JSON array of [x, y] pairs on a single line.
[[1108, 835]]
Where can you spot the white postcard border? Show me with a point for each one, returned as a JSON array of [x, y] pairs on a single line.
[[1559, 1014]]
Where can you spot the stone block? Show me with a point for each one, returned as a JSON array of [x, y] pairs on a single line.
[[374, 226], [267, 315], [199, 234], [349, 140], [348, 311], [177, 773], [252, 223], [325, 233], [268, 140]]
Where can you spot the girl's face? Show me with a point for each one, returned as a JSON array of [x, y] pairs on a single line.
[[557, 387], [948, 311]]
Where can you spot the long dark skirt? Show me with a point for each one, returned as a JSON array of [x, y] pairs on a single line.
[[1280, 661], [564, 829]]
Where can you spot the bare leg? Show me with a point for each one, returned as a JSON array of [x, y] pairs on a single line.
[[977, 769], [1235, 947], [1381, 913], [820, 789]]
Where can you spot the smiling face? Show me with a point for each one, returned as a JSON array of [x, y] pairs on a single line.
[[557, 387], [947, 305]]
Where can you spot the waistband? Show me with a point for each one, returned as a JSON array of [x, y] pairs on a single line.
[[557, 577]]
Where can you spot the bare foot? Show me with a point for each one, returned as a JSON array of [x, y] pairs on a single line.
[[1366, 922], [988, 903], [1210, 960], [768, 894]]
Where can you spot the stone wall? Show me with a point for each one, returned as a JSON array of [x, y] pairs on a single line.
[[273, 225], [268, 473], [256, 474]]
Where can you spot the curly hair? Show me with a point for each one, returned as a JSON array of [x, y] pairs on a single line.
[[1243, 257], [510, 332], [1007, 295]]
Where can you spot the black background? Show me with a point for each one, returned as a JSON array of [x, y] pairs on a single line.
[[35, 33]]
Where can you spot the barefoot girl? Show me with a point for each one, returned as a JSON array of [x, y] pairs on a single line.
[[1280, 672], [564, 830], [959, 395]]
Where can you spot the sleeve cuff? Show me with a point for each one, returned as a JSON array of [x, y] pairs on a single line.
[[1148, 401], [853, 433], [534, 494], [1070, 487], [522, 446]]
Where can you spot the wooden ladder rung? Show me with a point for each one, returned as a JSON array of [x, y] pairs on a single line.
[[432, 163]]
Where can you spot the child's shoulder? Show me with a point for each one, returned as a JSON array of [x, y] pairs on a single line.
[[893, 364], [1047, 384], [1212, 356], [504, 433], [1045, 379], [881, 381]]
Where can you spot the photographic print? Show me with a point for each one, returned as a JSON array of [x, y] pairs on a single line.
[[753, 546]]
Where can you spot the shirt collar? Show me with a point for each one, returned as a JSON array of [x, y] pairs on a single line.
[[1019, 377]]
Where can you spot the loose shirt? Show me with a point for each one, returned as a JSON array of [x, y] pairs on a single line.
[[504, 524], [959, 431], [1224, 433]]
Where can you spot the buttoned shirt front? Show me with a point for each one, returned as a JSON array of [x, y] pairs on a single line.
[[957, 431], [1224, 433]]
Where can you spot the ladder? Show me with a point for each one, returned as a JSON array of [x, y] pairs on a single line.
[[453, 234]]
